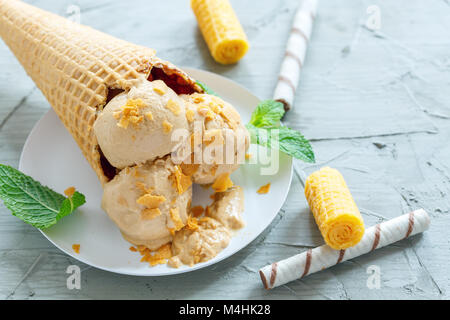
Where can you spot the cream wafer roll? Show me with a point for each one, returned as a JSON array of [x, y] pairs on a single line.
[[295, 53], [221, 29], [323, 257]]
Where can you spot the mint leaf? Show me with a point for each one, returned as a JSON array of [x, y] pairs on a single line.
[[70, 204], [295, 144], [32, 202], [207, 89], [289, 141], [268, 113]]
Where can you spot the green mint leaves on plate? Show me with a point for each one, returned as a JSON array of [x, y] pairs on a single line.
[[32, 202], [206, 89], [265, 120]]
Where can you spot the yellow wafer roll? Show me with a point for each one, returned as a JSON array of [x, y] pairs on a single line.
[[334, 209], [221, 29]]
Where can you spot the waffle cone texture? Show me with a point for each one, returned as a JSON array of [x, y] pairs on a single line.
[[78, 68]]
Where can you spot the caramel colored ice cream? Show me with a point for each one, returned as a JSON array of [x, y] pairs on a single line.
[[136, 126], [227, 208], [191, 247], [149, 199], [217, 133], [147, 202], [211, 233]]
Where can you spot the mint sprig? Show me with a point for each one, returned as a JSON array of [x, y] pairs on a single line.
[[263, 123], [265, 119], [32, 202]]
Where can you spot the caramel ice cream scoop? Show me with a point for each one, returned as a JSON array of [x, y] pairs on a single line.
[[217, 133], [146, 203], [137, 126]]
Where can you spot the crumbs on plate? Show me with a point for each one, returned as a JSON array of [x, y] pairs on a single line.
[[76, 248], [264, 189]]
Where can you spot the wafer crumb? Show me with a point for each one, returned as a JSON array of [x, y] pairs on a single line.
[[116, 114], [156, 257], [143, 188], [190, 115], [264, 189], [189, 168], [181, 182], [129, 113], [69, 191], [159, 91], [222, 183], [213, 136], [149, 116], [198, 99], [175, 216], [136, 172], [76, 248], [174, 262], [167, 126], [192, 223], [173, 106], [141, 248], [151, 201], [197, 211], [149, 214]]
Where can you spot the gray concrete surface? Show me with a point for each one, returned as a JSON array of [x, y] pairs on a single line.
[[375, 104]]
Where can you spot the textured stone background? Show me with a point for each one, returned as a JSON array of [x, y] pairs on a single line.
[[375, 105]]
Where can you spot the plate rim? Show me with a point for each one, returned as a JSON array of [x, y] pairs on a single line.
[[174, 271]]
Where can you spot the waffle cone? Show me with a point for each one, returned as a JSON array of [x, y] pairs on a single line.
[[78, 69]]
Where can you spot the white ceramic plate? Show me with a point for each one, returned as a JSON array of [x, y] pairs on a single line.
[[51, 156]]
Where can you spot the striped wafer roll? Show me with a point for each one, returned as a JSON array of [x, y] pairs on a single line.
[[323, 257], [295, 53]]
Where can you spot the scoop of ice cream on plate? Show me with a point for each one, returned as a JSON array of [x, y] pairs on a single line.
[[149, 202], [218, 140], [214, 230]]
